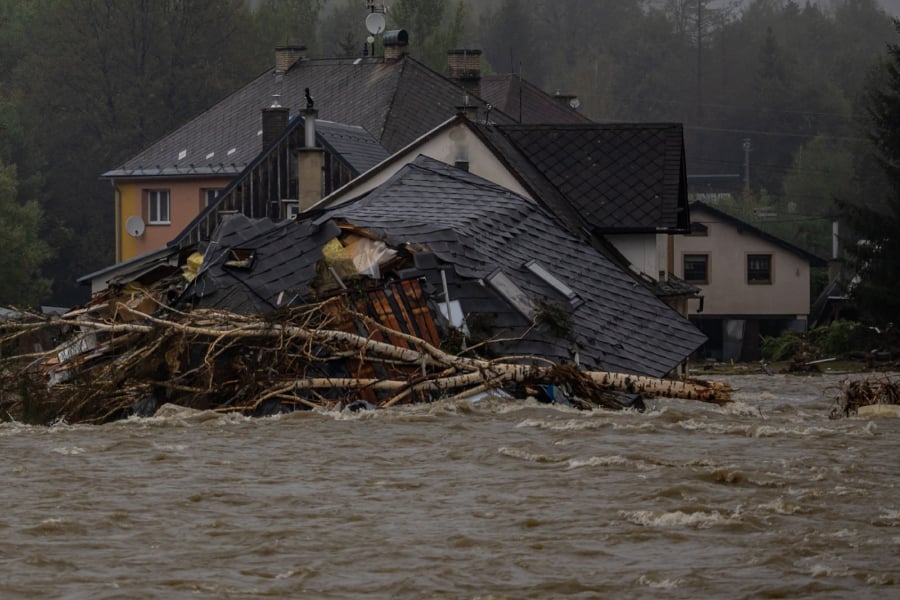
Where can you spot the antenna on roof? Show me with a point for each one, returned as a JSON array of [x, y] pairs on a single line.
[[375, 22]]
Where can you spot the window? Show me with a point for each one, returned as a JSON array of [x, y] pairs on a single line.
[[696, 268], [157, 207], [209, 195], [759, 268]]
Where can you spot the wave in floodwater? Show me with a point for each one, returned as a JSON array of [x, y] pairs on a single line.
[[502, 498]]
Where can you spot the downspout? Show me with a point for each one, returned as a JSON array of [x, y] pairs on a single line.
[[117, 195]]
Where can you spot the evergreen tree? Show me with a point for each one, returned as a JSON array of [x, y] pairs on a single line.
[[22, 251], [874, 216]]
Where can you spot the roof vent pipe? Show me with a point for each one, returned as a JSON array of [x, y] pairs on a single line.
[[309, 127]]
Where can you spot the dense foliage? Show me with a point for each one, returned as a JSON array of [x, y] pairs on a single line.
[[22, 251], [839, 339], [874, 213], [84, 84]]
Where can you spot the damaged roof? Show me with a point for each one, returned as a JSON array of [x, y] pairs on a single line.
[[492, 238], [603, 177], [254, 266]]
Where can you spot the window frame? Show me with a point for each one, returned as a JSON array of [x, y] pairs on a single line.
[[205, 193], [684, 272], [771, 268], [155, 200]]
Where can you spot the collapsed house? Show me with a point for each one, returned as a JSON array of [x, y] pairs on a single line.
[[495, 266], [435, 280]]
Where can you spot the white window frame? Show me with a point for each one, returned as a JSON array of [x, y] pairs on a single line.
[[159, 207]]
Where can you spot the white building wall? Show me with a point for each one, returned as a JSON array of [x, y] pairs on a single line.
[[642, 250], [728, 292]]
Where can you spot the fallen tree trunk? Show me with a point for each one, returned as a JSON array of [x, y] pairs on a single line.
[[222, 361]]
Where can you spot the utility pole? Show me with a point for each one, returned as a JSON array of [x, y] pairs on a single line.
[[748, 147], [699, 61]]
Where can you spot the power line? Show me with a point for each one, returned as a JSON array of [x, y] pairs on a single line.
[[773, 133]]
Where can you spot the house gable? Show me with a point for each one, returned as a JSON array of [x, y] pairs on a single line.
[[749, 273]]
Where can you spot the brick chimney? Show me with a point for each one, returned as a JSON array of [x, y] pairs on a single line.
[[395, 43], [310, 163], [274, 122], [286, 56], [464, 68]]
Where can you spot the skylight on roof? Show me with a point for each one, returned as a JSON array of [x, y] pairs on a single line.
[[210, 155], [504, 286], [182, 154], [232, 151], [258, 133], [551, 280]]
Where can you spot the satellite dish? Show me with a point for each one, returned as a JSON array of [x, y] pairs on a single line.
[[134, 226], [575, 103], [375, 23]]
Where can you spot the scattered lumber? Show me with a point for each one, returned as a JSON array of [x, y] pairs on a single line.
[[113, 361]]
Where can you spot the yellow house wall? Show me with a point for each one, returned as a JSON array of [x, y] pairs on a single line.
[[185, 203]]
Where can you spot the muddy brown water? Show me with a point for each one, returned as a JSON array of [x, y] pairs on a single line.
[[765, 498]]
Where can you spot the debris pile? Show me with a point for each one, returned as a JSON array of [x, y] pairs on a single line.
[[854, 394], [117, 361]]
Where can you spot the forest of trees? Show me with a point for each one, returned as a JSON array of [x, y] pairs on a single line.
[[84, 84]]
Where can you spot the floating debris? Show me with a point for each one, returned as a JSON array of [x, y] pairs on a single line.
[[116, 361], [858, 393]]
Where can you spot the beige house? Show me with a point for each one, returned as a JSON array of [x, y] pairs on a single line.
[[752, 283]]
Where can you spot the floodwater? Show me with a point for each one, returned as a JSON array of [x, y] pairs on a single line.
[[765, 498]]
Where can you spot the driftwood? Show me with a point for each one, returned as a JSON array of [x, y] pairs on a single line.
[[853, 394], [120, 361]]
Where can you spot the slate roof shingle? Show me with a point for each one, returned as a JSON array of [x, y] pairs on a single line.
[[607, 177]]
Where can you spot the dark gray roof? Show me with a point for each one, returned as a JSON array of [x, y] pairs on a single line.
[[516, 96], [355, 146], [480, 228], [283, 264], [608, 178], [395, 100]]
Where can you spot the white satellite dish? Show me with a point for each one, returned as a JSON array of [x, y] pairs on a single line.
[[134, 226], [375, 23]]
